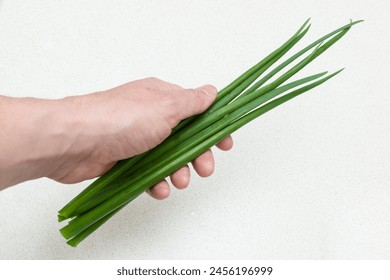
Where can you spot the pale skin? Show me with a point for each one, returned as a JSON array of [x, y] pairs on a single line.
[[81, 137]]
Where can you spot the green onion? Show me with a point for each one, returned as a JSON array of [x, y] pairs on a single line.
[[237, 86], [237, 104]]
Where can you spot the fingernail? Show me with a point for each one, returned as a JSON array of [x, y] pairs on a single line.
[[210, 90]]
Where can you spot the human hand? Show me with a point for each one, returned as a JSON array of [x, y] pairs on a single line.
[[128, 120]]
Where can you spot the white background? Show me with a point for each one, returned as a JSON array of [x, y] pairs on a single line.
[[309, 180]]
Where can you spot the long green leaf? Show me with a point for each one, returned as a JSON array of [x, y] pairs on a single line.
[[237, 86], [81, 223]]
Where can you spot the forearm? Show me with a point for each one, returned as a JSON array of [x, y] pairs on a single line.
[[33, 138]]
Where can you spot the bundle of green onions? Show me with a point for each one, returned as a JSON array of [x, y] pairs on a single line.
[[246, 98]]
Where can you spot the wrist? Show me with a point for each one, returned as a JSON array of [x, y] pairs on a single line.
[[35, 138]]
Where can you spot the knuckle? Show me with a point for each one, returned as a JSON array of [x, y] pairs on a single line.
[[153, 80], [198, 96], [169, 106], [168, 100]]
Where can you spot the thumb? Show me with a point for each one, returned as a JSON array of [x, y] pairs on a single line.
[[194, 101]]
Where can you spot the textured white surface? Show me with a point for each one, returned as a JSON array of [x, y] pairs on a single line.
[[309, 180]]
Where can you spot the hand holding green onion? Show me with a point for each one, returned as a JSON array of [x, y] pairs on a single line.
[[152, 127], [129, 120], [246, 98], [99, 129]]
